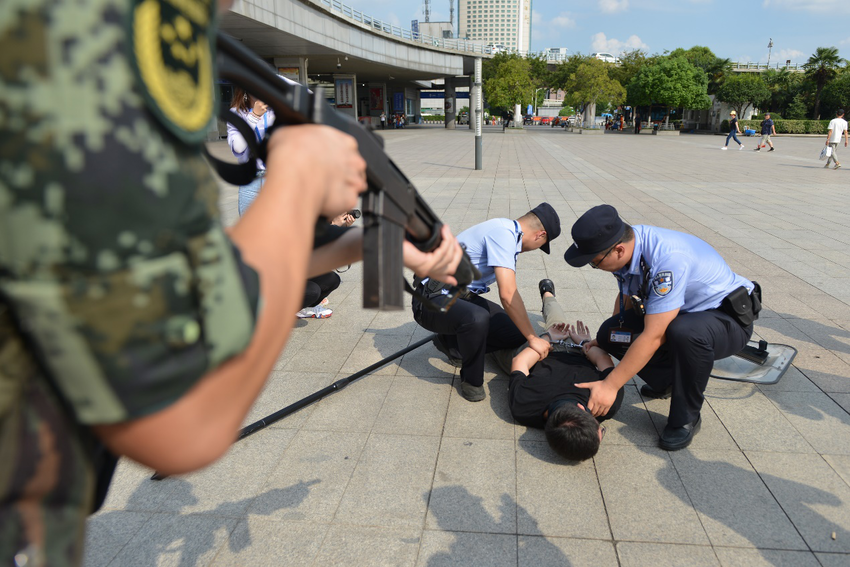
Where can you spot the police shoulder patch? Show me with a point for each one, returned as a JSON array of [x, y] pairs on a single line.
[[172, 55], [662, 283]]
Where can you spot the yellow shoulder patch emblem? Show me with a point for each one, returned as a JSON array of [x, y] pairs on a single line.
[[172, 55]]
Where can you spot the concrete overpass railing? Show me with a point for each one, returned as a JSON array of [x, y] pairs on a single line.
[[381, 26]]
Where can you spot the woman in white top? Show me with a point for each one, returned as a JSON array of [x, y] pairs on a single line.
[[260, 118]]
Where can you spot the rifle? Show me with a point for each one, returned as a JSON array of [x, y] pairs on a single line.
[[392, 208]]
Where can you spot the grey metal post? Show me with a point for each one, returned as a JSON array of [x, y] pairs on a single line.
[[479, 115], [451, 103]]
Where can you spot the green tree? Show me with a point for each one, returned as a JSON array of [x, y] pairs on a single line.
[[564, 70], [742, 91], [822, 67], [630, 63], [672, 82], [591, 85], [780, 83], [798, 109], [714, 67], [836, 94], [509, 84]]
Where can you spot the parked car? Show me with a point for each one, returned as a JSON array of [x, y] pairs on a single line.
[[607, 57], [545, 120]]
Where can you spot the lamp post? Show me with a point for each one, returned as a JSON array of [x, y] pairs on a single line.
[[535, 99], [769, 48]]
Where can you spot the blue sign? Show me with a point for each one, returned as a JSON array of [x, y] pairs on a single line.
[[441, 94], [529, 110], [398, 102], [414, 26]]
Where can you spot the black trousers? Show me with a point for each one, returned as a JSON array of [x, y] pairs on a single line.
[[694, 342], [473, 327], [319, 288]]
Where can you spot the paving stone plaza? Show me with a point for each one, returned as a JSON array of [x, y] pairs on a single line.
[[399, 470]]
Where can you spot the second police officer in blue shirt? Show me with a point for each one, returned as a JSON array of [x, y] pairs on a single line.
[[474, 326], [680, 308]]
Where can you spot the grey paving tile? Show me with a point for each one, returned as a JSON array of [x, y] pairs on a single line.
[[792, 381], [632, 425], [391, 482], [176, 540], [645, 498], [633, 554], [415, 406], [737, 557], [353, 409], [812, 494], [553, 551], [542, 499], [756, 424], [459, 549], [265, 541], [374, 348], [285, 388], [107, 532], [425, 361], [734, 505], [133, 490], [350, 545], [840, 464], [488, 419], [833, 559], [228, 487], [474, 487], [311, 476], [822, 422]]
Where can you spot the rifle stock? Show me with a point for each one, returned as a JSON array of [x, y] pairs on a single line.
[[392, 208]]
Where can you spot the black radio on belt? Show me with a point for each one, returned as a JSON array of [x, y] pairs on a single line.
[[637, 305]]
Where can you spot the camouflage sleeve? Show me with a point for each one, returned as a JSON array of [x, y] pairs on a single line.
[[112, 253]]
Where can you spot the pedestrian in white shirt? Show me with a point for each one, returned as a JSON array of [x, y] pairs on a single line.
[[837, 126]]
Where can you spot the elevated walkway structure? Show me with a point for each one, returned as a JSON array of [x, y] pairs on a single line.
[[374, 67]]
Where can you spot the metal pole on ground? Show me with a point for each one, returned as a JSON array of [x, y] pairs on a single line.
[[479, 116], [316, 396]]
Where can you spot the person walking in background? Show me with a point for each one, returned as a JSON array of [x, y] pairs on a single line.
[[637, 122], [258, 116], [837, 126], [767, 128], [734, 129], [383, 120]]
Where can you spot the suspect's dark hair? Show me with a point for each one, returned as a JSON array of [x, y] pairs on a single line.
[[572, 433]]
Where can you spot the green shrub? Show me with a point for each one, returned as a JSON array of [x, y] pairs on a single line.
[[773, 116], [724, 126], [788, 126]]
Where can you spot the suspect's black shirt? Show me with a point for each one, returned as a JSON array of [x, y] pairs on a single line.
[[551, 379]]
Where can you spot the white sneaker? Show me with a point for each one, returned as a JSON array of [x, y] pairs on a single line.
[[317, 312], [324, 302], [741, 147], [724, 148]]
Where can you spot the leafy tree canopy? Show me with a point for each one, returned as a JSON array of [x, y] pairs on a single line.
[[510, 84], [590, 84], [671, 81], [742, 91]]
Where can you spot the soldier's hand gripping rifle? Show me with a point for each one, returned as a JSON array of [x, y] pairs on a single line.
[[392, 208]]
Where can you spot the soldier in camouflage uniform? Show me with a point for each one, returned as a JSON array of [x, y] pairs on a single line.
[[127, 315]]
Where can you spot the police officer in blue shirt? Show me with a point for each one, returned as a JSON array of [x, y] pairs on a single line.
[[680, 308], [475, 326]]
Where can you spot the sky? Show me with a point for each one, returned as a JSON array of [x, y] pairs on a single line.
[[737, 29]]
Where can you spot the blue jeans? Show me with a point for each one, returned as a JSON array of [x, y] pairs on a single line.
[[733, 136], [247, 194]]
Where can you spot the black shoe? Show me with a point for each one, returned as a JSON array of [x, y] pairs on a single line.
[[675, 438], [648, 392], [546, 285], [441, 346], [757, 150], [771, 149], [472, 393]]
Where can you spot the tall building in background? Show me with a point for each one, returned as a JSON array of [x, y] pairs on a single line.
[[505, 23]]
